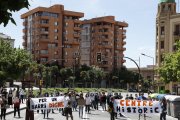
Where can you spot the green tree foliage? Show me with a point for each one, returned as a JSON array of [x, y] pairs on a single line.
[[7, 7], [13, 62], [170, 68]]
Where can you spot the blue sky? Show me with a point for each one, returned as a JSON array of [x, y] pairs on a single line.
[[139, 14]]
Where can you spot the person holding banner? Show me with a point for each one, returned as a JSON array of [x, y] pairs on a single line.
[[164, 109], [29, 112], [141, 97], [68, 107], [111, 109]]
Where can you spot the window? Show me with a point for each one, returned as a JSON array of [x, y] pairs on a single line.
[[177, 30], [44, 51], [55, 23], [162, 44], [161, 58], [56, 30], [44, 21], [44, 59], [56, 37], [162, 30]]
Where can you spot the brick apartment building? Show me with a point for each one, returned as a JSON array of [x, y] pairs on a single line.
[[102, 42], [54, 33]]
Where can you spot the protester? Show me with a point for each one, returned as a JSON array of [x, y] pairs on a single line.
[[46, 111], [96, 101], [68, 108], [21, 93], [3, 103], [164, 109], [29, 112], [131, 97], [10, 97], [16, 102], [81, 103], [111, 109], [103, 101], [142, 97], [88, 103]]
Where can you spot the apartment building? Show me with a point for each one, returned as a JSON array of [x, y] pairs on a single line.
[[167, 33], [102, 42], [52, 34], [7, 39]]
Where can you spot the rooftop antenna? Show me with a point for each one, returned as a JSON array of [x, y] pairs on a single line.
[[50, 3], [178, 6]]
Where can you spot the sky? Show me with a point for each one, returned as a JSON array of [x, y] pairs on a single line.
[[139, 14]]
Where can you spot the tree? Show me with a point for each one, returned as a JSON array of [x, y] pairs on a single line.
[[170, 68], [13, 62], [7, 7]]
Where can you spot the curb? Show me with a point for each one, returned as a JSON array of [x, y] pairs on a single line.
[[7, 113]]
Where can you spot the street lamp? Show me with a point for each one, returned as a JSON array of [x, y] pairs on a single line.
[[153, 64]]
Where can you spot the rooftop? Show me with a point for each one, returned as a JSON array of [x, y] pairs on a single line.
[[168, 1]]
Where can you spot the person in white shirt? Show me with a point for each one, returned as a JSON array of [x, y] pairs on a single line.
[[88, 103]]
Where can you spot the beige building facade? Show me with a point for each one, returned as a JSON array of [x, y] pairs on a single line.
[[167, 33], [7, 39]]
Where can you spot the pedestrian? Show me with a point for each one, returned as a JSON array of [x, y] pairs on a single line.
[[81, 104], [68, 108], [96, 101], [3, 103], [103, 101], [88, 103], [10, 96], [21, 93], [111, 109], [164, 109], [16, 102], [29, 112]]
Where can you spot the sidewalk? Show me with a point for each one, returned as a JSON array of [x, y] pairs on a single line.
[[11, 110]]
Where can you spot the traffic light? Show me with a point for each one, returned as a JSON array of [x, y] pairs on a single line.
[[41, 82], [98, 57]]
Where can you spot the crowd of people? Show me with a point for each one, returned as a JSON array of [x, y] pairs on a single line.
[[72, 102], [11, 99]]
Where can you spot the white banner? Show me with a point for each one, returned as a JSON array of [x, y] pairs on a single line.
[[136, 106], [46, 103]]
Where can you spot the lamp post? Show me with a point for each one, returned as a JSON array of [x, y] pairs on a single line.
[[153, 65]]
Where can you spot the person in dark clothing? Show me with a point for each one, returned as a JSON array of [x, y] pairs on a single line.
[[96, 101], [17, 103], [116, 96], [10, 95], [3, 103], [111, 109], [164, 109], [29, 112], [103, 101]]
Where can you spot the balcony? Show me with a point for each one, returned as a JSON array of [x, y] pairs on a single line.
[[77, 28], [124, 37], [24, 44], [124, 42], [44, 32], [106, 26], [77, 21], [123, 61], [124, 49], [76, 35]]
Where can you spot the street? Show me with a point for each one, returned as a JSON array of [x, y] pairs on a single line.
[[95, 115]]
